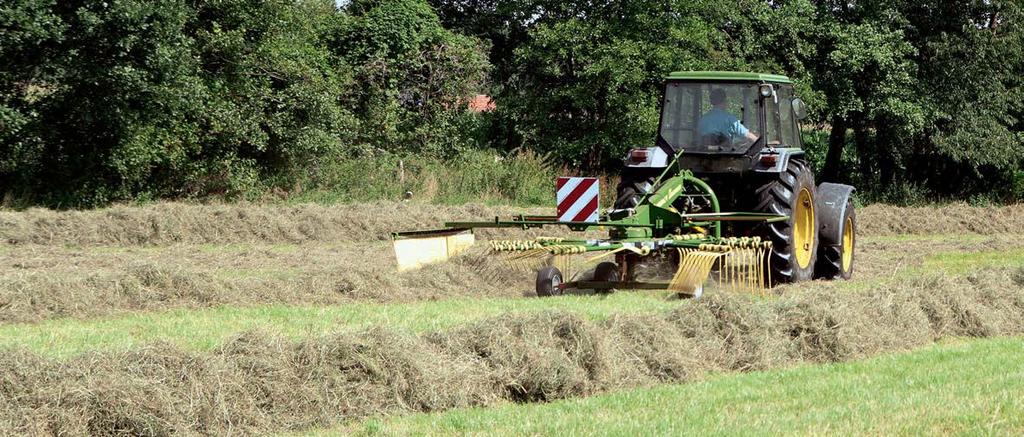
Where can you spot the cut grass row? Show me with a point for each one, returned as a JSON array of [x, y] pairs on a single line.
[[204, 329], [40, 283], [961, 387], [207, 328], [258, 382], [165, 223]]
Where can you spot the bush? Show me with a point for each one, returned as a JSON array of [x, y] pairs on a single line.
[[476, 176], [135, 100]]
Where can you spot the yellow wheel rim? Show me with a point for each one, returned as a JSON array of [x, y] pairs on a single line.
[[848, 244], [803, 228]]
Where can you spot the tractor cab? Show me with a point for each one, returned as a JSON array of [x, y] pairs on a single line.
[[726, 122]]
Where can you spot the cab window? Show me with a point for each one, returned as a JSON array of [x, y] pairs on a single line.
[[773, 134], [790, 126]]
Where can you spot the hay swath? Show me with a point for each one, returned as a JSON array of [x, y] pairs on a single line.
[[678, 220]]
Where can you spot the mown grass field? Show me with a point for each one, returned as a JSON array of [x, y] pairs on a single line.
[[204, 329], [962, 386], [218, 319]]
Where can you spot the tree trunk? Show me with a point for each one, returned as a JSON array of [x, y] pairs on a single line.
[[864, 152], [885, 150], [834, 156]]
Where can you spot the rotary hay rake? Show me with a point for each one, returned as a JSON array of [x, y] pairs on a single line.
[[678, 222]]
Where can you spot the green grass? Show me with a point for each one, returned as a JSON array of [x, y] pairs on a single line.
[[954, 388], [207, 328], [965, 262]]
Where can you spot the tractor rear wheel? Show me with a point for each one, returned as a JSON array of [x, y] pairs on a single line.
[[794, 241], [836, 259]]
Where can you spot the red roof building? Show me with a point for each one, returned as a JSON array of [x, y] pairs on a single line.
[[481, 103]]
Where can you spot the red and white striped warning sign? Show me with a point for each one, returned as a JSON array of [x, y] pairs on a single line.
[[577, 200]]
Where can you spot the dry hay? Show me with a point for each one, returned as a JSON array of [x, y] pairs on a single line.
[[261, 383], [173, 222], [169, 222], [44, 282], [949, 219]]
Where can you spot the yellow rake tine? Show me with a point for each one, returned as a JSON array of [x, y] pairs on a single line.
[[610, 252], [694, 268]]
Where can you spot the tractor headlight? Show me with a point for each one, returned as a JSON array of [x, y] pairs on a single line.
[[767, 91]]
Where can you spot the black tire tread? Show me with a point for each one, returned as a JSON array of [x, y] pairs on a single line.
[[544, 276], [776, 197], [629, 191], [830, 258], [606, 270]]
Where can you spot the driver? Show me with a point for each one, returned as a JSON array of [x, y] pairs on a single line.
[[719, 123]]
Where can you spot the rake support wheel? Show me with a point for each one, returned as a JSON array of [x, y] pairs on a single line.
[[606, 272], [548, 280], [795, 241]]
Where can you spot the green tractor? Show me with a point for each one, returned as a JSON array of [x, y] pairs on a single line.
[[739, 133], [725, 192]]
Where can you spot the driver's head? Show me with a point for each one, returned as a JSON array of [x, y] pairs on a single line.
[[717, 97]]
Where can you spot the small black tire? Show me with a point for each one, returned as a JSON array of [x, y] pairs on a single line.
[[836, 258], [548, 280], [606, 272]]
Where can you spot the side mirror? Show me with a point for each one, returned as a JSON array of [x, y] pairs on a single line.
[[799, 109]]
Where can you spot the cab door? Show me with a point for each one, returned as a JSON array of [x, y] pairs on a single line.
[[781, 126]]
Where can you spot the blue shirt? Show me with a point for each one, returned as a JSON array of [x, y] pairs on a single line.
[[721, 122]]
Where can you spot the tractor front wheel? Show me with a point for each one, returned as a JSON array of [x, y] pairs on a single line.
[[794, 241], [632, 187]]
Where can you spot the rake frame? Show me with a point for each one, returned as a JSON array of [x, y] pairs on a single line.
[[655, 226]]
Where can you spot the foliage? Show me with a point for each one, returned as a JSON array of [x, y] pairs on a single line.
[[477, 176], [129, 99], [587, 88], [104, 101], [920, 94], [928, 89], [413, 72]]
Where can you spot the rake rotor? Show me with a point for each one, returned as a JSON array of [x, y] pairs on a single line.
[[662, 225]]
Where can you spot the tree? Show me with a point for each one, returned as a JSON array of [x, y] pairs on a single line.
[[586, 85], [929, 90], [31, 32], [416, 77]]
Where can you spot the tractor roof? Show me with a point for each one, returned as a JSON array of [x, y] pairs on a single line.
[[730, 76]]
